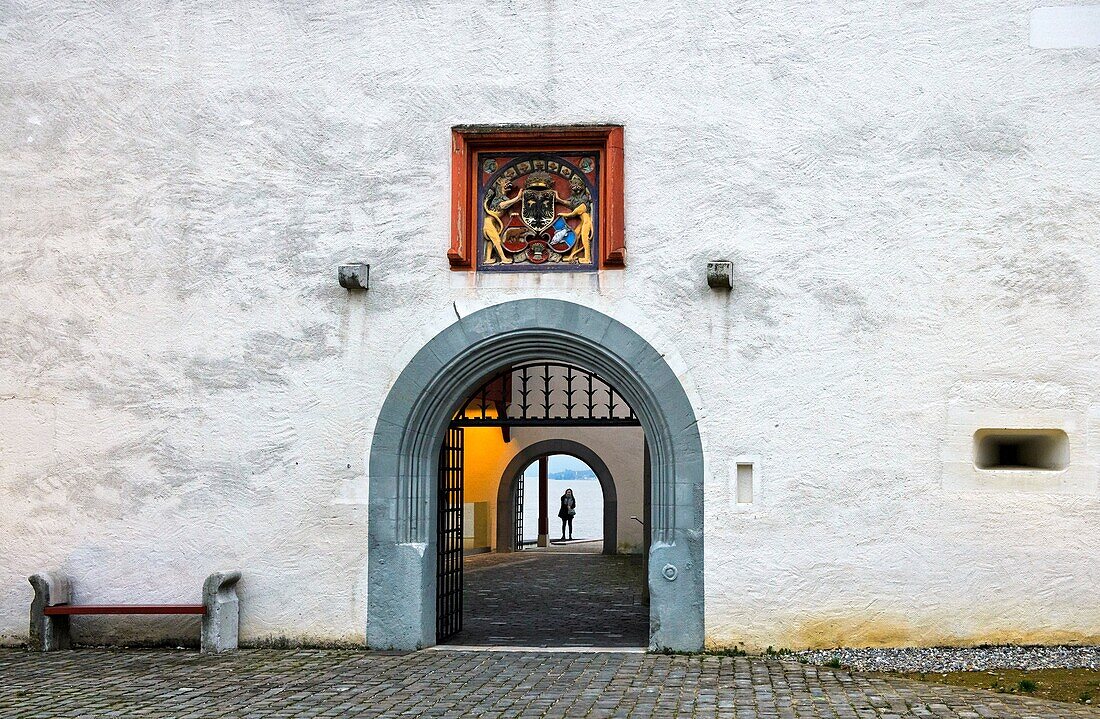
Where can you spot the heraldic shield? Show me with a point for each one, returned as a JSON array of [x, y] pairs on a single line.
[[538, 212], [538, 207]]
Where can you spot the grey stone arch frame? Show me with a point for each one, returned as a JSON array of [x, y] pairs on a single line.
[[506, 491], [404, 461]]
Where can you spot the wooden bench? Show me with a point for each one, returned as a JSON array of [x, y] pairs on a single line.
[[51, 609]]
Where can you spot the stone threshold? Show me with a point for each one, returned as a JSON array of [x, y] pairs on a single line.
[[541, 650]]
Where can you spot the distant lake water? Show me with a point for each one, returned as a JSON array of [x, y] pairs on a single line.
[[588, 524]]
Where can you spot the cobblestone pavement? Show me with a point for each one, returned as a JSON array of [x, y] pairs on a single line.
[[536, 598], [488, 685]]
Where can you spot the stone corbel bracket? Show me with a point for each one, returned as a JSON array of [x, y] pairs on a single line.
[[354, 276], [720, 274]]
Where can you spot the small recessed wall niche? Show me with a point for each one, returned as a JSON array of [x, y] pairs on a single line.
[[1019, 449], [744, 482], [1031, 450]]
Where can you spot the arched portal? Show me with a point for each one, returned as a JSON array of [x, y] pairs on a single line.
[[405, 453], [506, 493]]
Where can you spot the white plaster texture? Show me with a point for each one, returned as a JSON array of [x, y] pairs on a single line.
[[909, 193]]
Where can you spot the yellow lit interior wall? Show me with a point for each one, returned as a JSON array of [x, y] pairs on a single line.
[[484, 458]]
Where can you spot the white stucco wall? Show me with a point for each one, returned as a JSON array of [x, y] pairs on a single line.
[[910, 195]]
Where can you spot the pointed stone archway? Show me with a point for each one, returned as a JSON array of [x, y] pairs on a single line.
[[404, 461]]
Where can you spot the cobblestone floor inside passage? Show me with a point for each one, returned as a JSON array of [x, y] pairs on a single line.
[[490, 685], [538, 598]]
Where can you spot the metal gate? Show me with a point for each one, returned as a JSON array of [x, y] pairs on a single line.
[[448, 603], [519, 512]]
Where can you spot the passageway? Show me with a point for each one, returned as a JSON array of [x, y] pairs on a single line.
[[540, 598]]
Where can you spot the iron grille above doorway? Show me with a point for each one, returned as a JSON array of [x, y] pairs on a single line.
[[545, 394]]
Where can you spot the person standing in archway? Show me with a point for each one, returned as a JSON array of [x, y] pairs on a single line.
[[567, 512]]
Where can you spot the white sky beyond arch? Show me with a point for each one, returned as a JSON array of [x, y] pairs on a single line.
[[588, 524]]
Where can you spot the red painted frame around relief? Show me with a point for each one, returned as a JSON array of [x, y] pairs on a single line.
[[468, 140]]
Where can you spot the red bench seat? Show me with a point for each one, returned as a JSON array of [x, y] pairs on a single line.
[[61, 609]]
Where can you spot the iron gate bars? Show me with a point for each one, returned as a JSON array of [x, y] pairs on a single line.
[[448, 596], [519, 512], [543, 394]]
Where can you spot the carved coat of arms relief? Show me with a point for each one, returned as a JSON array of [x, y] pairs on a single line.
[[538, 212]]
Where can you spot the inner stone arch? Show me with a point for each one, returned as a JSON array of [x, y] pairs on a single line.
[[506, 492], [404, 461]]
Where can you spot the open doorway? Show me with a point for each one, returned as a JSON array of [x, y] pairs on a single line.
[[551, 597], [534, 567], [565, 475], [407, 509]]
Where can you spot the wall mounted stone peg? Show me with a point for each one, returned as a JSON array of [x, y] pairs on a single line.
[[355, 276], [720, 274]]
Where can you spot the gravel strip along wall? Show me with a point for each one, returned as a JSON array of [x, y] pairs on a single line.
[[959, 659]]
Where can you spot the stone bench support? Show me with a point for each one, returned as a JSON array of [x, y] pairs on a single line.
[[221, 622], [50, 631]]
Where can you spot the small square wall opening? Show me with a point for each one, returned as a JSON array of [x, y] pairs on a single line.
[[1021, 449]]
